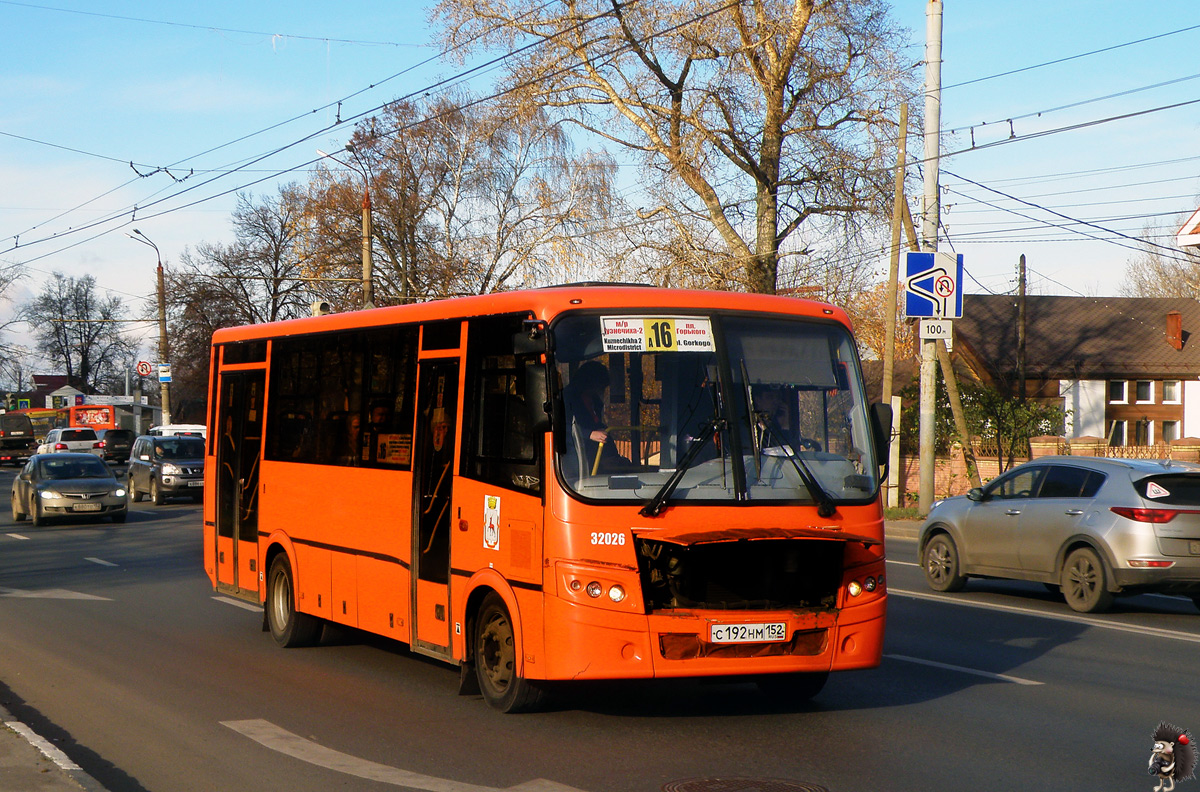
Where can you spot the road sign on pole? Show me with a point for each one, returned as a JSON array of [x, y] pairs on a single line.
[[933, 285], [164, 372], [143, 368]]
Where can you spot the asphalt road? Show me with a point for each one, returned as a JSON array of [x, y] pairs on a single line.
[[113, 645]]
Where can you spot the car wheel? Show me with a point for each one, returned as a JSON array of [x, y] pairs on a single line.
[[792, 687], [133, 491], [1083, 582], [35, 512], [18, 515], [288, 627], [941, 565], [156, 494], [496, 661]]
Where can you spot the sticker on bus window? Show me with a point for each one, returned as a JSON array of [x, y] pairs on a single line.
[[491, 522], [657, 334]]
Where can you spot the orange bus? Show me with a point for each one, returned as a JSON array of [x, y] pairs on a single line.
[[96, 416], [579, 482]]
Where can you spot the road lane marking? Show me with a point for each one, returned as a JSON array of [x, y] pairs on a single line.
[[964, 670], [903, 563], [19, 536], [1156, 632], [239, 604], [281, 740], [101, 562], [49, 594]]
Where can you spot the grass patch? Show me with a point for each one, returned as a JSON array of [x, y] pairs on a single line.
[[906, 513]]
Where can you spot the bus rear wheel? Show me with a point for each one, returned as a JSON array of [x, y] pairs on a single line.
[[496, 661], [288, 627]]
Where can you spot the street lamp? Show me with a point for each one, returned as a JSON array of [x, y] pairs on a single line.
[[138, 236], [367, 262]]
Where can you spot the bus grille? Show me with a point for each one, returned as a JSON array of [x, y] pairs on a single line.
[[765, 574]]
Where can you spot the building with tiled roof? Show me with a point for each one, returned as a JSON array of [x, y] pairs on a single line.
[[1126, 368]]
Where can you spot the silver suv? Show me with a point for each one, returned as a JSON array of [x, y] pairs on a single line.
[[1091, 526], [71, 438]]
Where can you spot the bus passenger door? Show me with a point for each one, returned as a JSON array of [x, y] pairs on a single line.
[[437, 403], [239, 447]]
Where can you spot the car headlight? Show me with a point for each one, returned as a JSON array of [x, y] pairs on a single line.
[[49, 494], [119, 492], [170, 470]]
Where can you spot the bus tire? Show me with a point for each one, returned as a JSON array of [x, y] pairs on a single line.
[[795, 688], [288, 627], [495, 649]]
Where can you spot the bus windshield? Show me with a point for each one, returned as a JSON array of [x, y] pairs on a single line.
[[711, 408]]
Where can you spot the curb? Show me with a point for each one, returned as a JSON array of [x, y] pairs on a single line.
[[71, 775]]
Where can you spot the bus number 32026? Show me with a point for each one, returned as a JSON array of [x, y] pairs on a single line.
[[608, 538]]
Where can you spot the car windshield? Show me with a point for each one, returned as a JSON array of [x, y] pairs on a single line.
[[755, 409], [91, 467], [179, 448]]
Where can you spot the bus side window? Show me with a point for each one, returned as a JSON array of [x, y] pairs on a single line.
[[502, 450]]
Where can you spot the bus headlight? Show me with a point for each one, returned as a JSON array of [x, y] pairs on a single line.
[[855, 588], [616, 593], [594, 589]]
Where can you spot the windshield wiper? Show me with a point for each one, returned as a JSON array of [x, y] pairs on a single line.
[[659, 501], [825, 507]]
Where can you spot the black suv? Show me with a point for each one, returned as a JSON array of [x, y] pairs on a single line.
[[16, 437], [116, 443], [162, 467]]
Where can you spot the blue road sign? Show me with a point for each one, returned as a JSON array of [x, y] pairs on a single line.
[[933, 285]]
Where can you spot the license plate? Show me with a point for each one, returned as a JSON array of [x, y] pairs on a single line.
[[196, 483], [748, 633], [87, 507]]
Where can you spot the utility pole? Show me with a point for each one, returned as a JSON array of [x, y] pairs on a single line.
[[1021, 330], [899, 208], [163, 360], [929, 233]]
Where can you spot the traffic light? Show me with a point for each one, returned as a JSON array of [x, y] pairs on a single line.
[[10, 401]]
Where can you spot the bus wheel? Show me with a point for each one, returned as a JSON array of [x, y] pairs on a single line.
[[496, 661], [288, 627], [793, 687]]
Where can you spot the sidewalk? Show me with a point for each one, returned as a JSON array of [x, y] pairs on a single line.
[[29, 763]]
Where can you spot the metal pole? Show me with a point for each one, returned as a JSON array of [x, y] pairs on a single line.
[[368, 265], [929, 232], [163, 359], [889, 317]]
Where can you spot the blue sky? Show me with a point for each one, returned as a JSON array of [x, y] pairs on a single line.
[[188, 91]]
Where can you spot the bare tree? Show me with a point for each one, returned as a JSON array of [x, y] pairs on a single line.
[[466, 198], [769, 114], [1162, 272], [80, 330]]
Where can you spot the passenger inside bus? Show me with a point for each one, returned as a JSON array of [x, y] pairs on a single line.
[[584, 400], [778, 426]]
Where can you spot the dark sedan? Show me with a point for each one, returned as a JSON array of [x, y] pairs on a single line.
[[67, 485]]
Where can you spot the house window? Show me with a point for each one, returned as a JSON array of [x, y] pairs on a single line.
[[1116, 433], [1145, 392], [1141, 432], [1170, 431], [1116, 391], [1171, 392]]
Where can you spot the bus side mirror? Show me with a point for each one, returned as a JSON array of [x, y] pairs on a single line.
[[881, 425], [537, 398], [531, 338]]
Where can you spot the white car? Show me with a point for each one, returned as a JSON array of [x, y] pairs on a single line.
[[71, 438], [169, 430]]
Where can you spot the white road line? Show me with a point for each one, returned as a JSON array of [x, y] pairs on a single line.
[[18, 536], [49, 594], [1090, 621], [903, 563], [964, 670], [52, 753], [284, 741], [101, 562], [239, 604]]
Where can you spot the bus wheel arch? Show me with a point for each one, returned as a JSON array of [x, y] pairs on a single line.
[[495, 652], [289, 627]]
